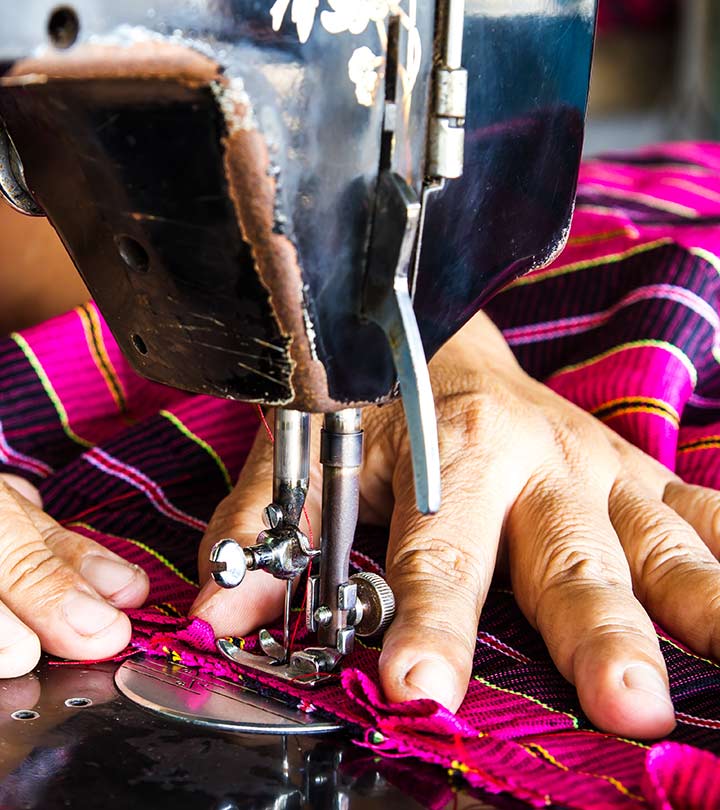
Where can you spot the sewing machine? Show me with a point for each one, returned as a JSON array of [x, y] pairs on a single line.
[[296, 203]]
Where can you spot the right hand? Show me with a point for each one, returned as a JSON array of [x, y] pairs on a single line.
[[59, 591]]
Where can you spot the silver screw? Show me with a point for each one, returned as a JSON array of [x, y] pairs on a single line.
[[323, 615], [272, 516], [228, 563]]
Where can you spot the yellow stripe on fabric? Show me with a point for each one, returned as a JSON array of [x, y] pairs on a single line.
[[600, 210], [647, 199], [688, 653], [618, 739], [694, 188], [185, 430], [101, 358], [707, 255], [611, 258], [151, 551], [49, 390], [482, 680], [639, 400], [639, 409], [616, 783], [606, 236], [712, 443], [635, 344], [647, 405]]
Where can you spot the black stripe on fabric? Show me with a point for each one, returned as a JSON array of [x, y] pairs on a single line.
[[649, 160], [29, 419], [597, 289], [699, 445], [100, 353], [188, 475], [608, 411]]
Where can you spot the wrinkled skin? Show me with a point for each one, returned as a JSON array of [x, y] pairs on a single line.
[[58, 590], [596, 537]]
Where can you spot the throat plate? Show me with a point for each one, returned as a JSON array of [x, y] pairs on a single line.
[[185, 694]]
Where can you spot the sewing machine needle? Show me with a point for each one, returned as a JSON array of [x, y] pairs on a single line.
[[286, 620]]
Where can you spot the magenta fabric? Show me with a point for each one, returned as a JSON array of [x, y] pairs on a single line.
[[624, 323]]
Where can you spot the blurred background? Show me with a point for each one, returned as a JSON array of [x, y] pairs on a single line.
[[656, 75]]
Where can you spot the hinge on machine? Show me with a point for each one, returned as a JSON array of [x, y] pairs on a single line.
[[446, 133]]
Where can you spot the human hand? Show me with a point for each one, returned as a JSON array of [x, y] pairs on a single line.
[[59, 591], [596, 536]]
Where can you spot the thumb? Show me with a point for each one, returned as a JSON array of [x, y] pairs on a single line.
[[259, 598], [24, 487]]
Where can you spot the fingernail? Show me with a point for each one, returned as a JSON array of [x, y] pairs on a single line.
[[644, 678], [434, 679], [107, 576], [11, 631], [86, 615]]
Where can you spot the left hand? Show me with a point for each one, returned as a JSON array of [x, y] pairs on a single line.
[[597, 538]]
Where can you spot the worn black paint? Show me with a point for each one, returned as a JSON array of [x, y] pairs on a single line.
[[98, 151]]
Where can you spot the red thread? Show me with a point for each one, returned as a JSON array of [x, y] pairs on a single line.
[[117, 498], [261, 414]]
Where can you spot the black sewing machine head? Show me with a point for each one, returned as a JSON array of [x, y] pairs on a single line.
[[215, 169]]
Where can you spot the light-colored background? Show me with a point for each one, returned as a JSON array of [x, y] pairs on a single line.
[[657, 85]]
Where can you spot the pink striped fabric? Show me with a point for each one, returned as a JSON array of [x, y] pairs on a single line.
[[624, 323]]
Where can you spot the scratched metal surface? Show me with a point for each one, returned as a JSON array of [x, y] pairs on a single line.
[[112, 755], [219, 302]]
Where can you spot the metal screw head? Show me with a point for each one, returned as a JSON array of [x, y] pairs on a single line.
[[227, 563], [378, 604], [323, 615], [272, 516]]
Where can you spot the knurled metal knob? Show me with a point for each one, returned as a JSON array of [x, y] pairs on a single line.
[[377, 603], [228, 563]]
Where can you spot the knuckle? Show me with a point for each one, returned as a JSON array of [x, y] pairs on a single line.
[[622, 631], [470, 419], [574, 435], [568, 565], [669, 554], [38, 575], [713, 606], [440, 560], [663, 551], [443, 626]]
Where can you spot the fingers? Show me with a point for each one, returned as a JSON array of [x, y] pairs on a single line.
[[23, 487], [119, 582], [47, 595], [259, 598], [572, 581], [440, 568], [19, 646], [675, 574], [700, 507]]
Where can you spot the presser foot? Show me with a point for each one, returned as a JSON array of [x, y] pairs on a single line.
[[305, 668], [184, 694]]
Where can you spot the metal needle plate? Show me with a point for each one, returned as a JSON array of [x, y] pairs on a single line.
[[205, 700]]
